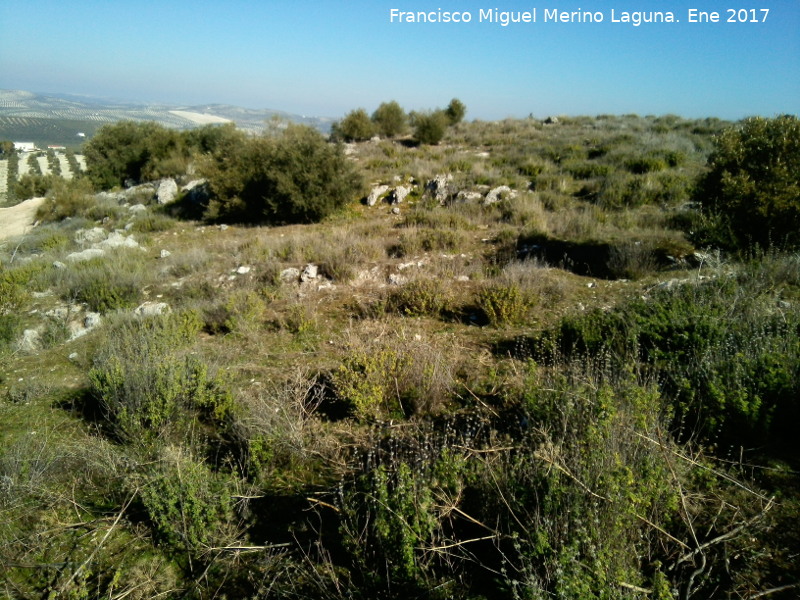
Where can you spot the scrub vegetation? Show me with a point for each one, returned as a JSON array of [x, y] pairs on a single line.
[[563, 363]]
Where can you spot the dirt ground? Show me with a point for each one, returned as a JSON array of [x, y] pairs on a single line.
[[18, 219]]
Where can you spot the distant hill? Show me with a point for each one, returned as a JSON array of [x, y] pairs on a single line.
[[59, 118]]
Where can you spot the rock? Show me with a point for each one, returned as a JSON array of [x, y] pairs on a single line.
[[59, 265], [87, 254], [440, 187], [117, 240], [395, 210], [137, 208], [498, 194], [92, 320], [399, 194], [151, 309], [196, 191], [59, 313], [376, 194], [468, 196], [243, 270], [223, 227], [462, 278], [73, 356], [395, 279], [591, 285], [167, 191], [310, 272], [117, 197], [290, 275], [165, 254], [90, 236], [30, 341]]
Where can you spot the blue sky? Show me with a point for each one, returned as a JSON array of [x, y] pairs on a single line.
[[325, 58]]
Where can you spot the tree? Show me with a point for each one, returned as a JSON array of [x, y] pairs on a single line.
[[131, 150], [390, 119], [456, 111], [355, 126], [753, 183], [294, 177], [430, 127]]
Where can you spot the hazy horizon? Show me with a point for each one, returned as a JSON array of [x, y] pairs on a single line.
[[326, 59]]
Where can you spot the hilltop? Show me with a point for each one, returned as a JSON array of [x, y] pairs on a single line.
[[529, 361]]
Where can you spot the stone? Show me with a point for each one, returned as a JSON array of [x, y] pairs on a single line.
[[399, 194], [167, 191], [117, 240], [395, 279], [468, 196], [290, 275], [243, 270], [196, 191], [59, 265], [60, 313], [376, 194], [499, 193], [90, 236], [30, 341], [223, 227], [92, 320], [137, 208], [440, 187], [395, 210], [310, 271], [165, 254], [85, 255], [73, 356], [151, 309]]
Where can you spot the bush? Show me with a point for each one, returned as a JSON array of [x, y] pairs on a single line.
[[753, 181], [429, 128], [503, 303], [419, 298], [33, 186], [356, 126], [296, 177], [390, 119], [455, 111], [132, 151], [66, 198]]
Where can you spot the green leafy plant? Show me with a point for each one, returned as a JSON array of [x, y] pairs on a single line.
[[753, 181]]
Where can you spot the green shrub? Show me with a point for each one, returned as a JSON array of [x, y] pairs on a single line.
[[730, 377], [296, 177], [419, 298], [503, 304], [144, 385], [33, 186], [429, 128], [753, 181], [356, 126], [455, 111], [188, 506], [67, 198], [390, 119], [366, 383]]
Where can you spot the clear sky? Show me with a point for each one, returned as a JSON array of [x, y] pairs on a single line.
[[324, 58]]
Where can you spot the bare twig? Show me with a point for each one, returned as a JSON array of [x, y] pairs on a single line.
[[774, 590]]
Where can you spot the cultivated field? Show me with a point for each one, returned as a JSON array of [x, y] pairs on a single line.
[[24, 168]]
